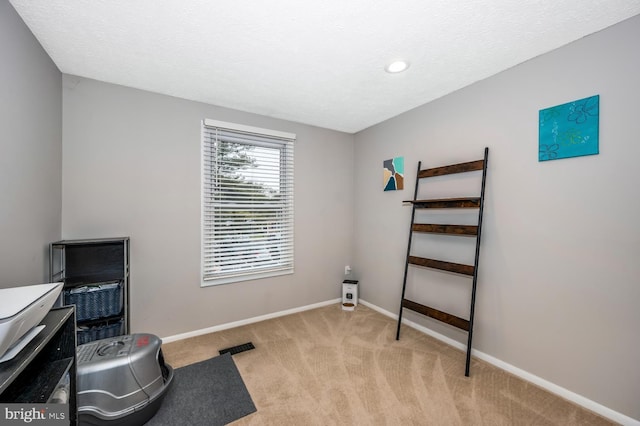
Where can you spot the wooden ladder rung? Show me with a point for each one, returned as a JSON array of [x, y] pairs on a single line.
[[451, 169], [447, 203], [445, 229], [453, 320], [442, 265]]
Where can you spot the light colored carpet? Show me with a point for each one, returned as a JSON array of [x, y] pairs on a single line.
[[331, 367]]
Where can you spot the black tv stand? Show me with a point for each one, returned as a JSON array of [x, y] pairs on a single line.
[[34, 373]]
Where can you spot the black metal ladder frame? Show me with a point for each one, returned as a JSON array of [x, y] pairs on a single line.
[[470, 202]]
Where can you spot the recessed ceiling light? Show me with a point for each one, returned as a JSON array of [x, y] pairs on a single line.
[[397, 66]]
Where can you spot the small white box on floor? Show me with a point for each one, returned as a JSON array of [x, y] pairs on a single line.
[[349, 295]]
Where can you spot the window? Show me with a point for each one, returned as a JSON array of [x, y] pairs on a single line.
[[247, 203]]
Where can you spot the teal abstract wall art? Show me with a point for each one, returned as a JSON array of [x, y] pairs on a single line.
[[393, 174], [569, 130]]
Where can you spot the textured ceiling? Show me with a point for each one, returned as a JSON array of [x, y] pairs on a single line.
[[320, 62]]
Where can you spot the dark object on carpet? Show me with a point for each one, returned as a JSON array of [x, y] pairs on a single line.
[[208, 393], [237, 349]]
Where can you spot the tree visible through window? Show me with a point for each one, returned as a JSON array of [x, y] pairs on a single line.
[[247, 203]]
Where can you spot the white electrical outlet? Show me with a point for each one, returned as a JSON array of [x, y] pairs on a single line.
[[347, 270]]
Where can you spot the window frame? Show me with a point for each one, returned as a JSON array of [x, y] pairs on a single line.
[[286, 140]]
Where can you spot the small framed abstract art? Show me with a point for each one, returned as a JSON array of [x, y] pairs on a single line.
[[393, 174], [569, 130]]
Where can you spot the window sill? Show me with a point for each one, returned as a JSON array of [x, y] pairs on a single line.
[[245, 277]]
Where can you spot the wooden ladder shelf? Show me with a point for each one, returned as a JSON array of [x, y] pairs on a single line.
[[454, 230]]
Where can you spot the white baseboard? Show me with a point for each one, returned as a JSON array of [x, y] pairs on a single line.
[[545, 384], [246, 321]]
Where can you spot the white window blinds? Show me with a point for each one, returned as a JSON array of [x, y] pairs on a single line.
[[247, 203]]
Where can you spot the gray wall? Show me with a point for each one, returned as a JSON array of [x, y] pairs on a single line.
[[30, 153], [132, 168], [558, 287]]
